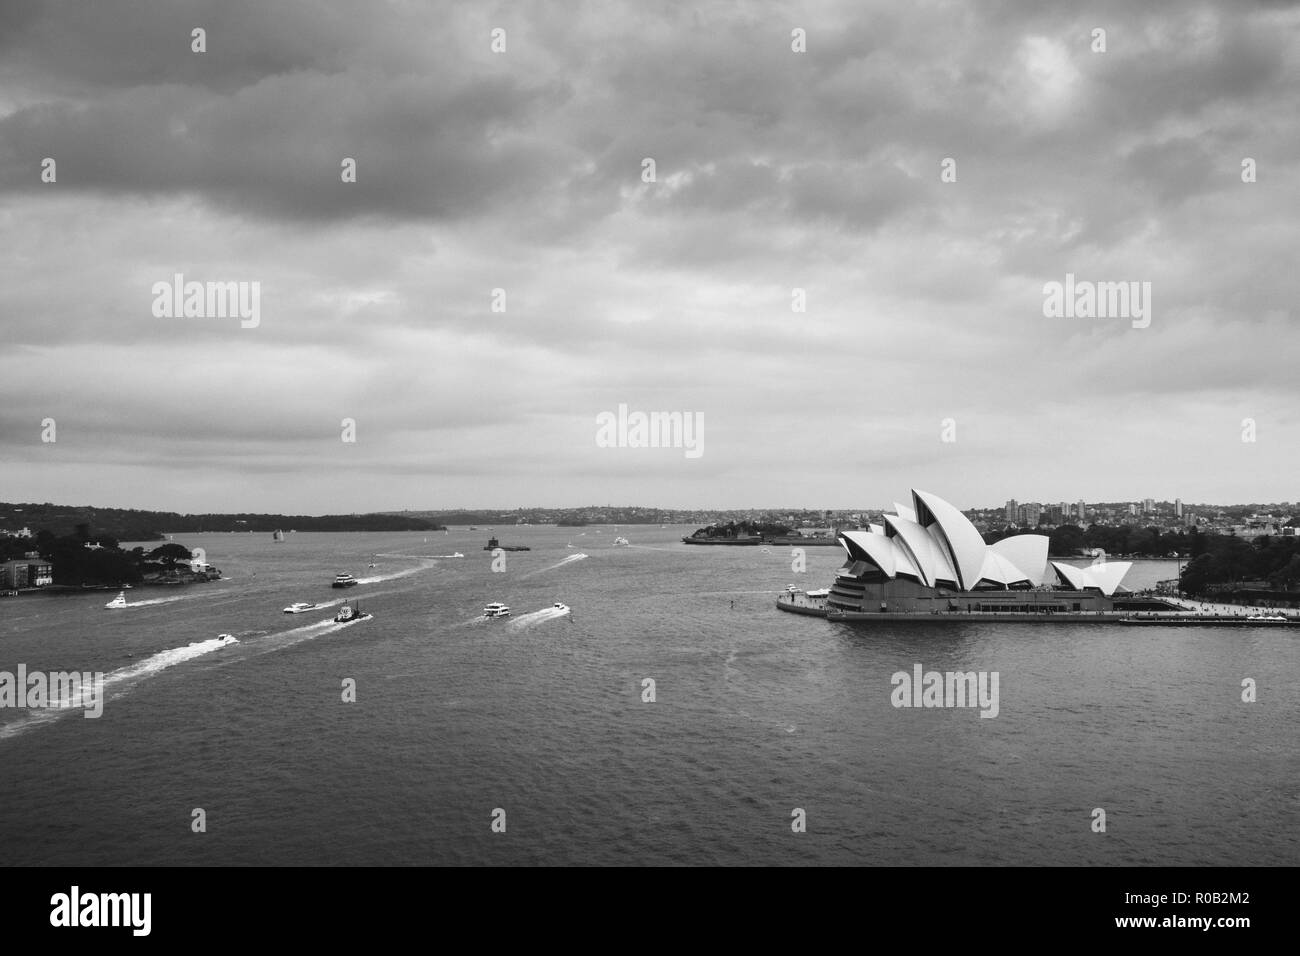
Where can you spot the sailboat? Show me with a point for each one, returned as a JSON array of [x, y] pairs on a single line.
[[119, 601], [278, 536]]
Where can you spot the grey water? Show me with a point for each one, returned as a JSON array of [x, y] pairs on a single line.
[[756, 714]]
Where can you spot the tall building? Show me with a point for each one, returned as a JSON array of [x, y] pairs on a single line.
[[1178, 507], [1148, 506], [1132, 509], [1028, 514], [1082, 510], [1010, 511]]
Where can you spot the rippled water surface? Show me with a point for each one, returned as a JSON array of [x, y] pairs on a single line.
[[756, 713]]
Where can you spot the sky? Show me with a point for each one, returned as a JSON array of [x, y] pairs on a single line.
[[921, 171]]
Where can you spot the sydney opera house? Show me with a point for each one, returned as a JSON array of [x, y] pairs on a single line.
[[930, 559]]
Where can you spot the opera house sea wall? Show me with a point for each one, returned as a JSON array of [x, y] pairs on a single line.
[[928, 559]]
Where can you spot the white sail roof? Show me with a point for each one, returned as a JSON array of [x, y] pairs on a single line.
[[965, 544], [1028, 552], [1105, 577]]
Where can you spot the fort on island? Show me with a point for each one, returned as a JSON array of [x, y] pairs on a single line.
[[927, 560]]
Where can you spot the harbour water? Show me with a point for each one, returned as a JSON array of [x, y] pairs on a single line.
[[756, 713]]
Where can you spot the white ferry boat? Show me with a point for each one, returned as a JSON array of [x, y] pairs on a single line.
[[496, 609], [299, 606]]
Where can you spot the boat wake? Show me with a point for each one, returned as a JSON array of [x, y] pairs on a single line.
[[375, 579], [525, 621], [120, 682], [559, 564], [152, 601], [423, 556]]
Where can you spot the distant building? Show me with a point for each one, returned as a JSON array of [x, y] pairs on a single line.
[[1081, 510], [1178, 507], [29, 571], [1010, 511], [1148, 506], [1132, 509]]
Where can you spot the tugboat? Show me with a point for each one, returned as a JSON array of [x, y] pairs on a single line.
[[344, 581], [119, 601], [493, 545], [348, 613], [496, 609]]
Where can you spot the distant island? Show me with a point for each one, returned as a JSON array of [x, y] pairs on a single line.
[[131, 525]]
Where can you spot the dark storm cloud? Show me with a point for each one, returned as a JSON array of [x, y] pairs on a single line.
[[522, 172]]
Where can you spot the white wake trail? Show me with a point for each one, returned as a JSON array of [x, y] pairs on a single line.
[[559, 564], [525, 621]]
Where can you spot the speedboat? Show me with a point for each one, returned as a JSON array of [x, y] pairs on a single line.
[[621, 543], [349, 613], [560, 607], [227, 639], [496, 609], [344, 581], [299, 606], [119, 601]]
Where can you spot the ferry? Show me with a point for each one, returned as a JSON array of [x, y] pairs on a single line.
[[1210, 620], [496, 609], [299, 606], [344, 581], [119, 601], [348, 613]]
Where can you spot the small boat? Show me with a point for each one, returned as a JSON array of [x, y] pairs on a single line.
[[299, 606], [560, 607], [348, 613], [344, 581], [119, 601], [622, 543], [227, 639], [496, 609], [278, 536]]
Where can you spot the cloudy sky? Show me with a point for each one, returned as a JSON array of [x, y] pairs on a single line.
[[522, 170]]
